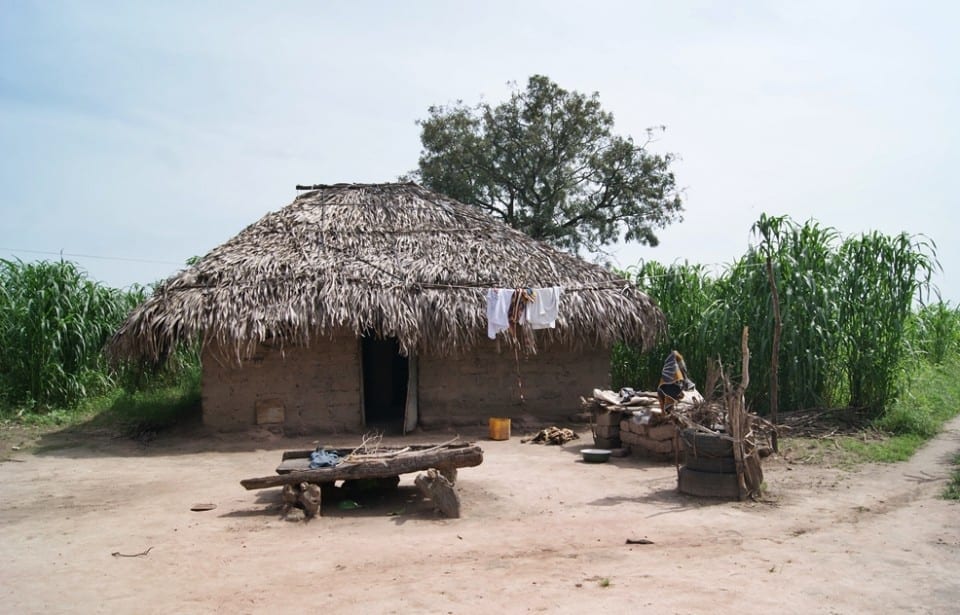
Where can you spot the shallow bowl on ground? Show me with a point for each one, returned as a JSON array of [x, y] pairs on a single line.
[[595, 455]]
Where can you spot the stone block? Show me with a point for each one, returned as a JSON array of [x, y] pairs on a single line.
[[607, 419], [661, 447], [665, 431]]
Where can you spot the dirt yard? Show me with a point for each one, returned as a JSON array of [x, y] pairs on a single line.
[[541, 531]]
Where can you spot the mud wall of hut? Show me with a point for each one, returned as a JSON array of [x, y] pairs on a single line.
[[318, 389], [469, 389], [301, 389]]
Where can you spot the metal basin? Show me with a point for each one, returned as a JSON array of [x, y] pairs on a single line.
[[595, 455]]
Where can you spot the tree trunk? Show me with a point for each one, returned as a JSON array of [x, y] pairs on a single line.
[[735, 413], [775, 358], [440, 491]]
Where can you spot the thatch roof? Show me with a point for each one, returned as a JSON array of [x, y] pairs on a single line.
[[394, 260]]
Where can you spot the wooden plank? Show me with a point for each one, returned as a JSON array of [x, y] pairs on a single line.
[[412, 461], [343, 452]]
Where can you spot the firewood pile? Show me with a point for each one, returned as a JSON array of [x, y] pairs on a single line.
[[633, 419], [704, 416], [748, 437], [727, 419], [552, 435]]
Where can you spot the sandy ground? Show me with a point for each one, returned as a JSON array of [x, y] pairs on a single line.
[[541, 531]]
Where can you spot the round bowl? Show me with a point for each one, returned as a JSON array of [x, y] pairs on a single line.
[[595, 455]]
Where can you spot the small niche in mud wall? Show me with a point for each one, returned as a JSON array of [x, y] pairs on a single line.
[[270, 411]]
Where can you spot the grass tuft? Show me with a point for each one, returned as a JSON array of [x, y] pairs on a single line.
[[932, 398], [885, 450], [952, 492], [130, 412], [152, 409]]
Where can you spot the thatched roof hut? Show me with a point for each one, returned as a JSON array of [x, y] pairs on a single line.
[[377, 260]]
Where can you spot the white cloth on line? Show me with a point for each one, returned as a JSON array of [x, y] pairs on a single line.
[[543, 310], [498, 310]]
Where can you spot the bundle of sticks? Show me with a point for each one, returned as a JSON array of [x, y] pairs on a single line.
[[552, 435]]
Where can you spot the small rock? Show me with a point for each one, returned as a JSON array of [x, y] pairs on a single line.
[[295, 514]]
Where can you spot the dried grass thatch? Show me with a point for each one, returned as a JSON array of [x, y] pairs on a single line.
[[393, 260]]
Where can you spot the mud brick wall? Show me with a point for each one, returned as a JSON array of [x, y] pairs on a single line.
[[468, 389], [310, 389]]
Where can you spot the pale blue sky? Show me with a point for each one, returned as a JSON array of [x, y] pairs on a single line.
[[152, 132]]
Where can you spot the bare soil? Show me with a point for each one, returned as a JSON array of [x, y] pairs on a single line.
[[94, 524]]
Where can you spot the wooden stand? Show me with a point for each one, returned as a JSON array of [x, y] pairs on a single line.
[[440, 491], [302, 486]]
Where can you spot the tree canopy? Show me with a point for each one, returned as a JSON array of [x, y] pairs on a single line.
[[546, 161]]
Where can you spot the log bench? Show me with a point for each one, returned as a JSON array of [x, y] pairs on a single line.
[[303, 486]]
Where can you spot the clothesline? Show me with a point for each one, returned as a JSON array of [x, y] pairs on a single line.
[[619, 287], [404, 284]]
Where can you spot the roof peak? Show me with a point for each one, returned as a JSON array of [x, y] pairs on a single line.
[[353, 185]]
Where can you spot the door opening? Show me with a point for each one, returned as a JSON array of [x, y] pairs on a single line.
[[385, 375]]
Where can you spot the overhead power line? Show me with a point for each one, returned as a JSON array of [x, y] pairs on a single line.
[[106, 258]]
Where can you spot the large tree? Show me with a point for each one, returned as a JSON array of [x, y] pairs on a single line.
[[547, 163]]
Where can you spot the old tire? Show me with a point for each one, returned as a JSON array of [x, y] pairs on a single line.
[[705, 444], [716, 465], [708, 484]]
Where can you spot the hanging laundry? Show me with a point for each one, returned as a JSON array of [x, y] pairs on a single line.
[[498, 310], [543, 310], [518, 310]]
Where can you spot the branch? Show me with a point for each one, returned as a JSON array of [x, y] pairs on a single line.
[[745, 364]]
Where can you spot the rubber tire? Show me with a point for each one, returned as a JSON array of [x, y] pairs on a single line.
[[708, 484], [716, 465], [705, 444]]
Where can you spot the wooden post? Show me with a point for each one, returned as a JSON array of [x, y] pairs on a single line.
[[310, 497], [749, 472], [735, 413], [775, 358]]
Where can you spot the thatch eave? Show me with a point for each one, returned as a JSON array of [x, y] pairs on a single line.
[[393, 260]]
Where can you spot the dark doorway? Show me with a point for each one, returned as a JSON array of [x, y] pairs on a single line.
[[385, 374]]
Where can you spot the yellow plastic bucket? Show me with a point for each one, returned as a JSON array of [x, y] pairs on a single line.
[[499, 429]]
